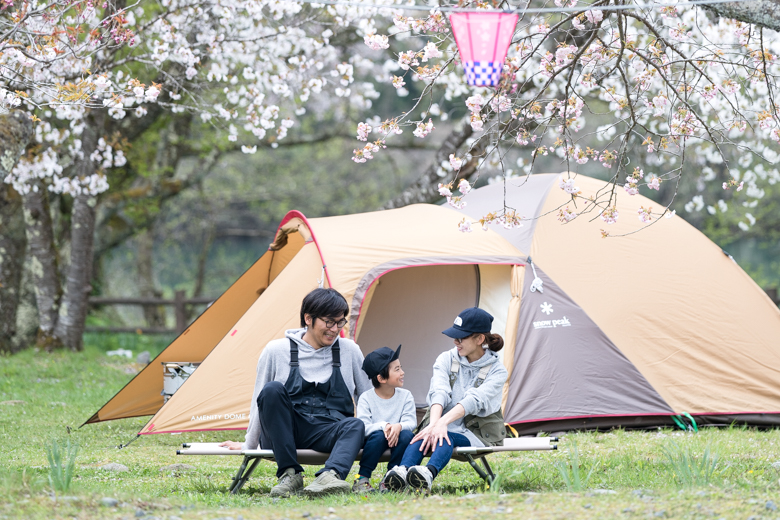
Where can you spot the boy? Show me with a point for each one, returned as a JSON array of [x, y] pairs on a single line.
[[387, 411]]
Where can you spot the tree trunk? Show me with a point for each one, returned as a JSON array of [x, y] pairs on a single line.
[[16, 130], [12, 247], [154, 315], [764, 13], [73, 314], [44, 271]]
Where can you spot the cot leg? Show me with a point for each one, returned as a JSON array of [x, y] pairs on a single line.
[[488, 470], [486, 476], [241, 477]]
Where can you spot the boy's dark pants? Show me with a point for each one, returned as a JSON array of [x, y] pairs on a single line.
[[375, 446], [284, 430]]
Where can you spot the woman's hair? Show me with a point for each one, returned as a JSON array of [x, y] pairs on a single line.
[[494, 341], [323, 303], [385, 373]]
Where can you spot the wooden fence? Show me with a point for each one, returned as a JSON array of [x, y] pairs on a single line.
[[179, 303]]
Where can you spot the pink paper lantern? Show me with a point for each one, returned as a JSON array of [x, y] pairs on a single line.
[[483, 40]]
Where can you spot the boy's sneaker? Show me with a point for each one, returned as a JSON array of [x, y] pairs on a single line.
[[419, 478], [362, 485], [395, 479], [290, 483], [326, 483]]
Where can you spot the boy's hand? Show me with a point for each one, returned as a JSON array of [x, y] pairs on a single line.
[[391, 434]]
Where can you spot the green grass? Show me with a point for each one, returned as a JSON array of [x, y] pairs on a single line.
[[631, 474]]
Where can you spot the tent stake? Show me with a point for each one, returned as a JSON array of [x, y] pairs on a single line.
[[121, 446]]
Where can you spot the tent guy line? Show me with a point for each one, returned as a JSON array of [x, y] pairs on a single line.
[[530, 10]]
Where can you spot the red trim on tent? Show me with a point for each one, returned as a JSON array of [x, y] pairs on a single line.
[[297, 214], [189, 431], [635, 415], [368, 289]]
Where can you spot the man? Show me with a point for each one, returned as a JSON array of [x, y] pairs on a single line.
[[301, 400]]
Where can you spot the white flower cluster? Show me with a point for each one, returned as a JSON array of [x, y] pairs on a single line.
[[45, 167]]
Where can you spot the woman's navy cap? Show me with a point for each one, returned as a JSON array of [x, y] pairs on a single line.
[[377, 360], [471, 321]]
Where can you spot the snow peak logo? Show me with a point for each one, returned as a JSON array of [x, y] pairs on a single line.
[[552, 324], [227, 417]]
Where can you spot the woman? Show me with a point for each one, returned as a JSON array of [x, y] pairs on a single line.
[[467, 380]]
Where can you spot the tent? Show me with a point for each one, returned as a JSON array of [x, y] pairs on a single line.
[[626, 331]]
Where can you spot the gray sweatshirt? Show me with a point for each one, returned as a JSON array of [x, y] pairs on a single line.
[[376, 412], [481, 401], [315, 366]]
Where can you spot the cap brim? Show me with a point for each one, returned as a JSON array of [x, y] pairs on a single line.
[[456, 333], [397, 354]]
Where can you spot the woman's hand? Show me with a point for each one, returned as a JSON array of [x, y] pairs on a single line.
[[231, 445], [432, 436]]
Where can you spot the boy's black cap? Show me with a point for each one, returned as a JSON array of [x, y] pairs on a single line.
[[377, 360], [471, 321]]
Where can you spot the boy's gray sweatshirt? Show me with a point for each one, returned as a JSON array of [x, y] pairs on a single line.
[[315, 366], [376, 412], [481, 401]]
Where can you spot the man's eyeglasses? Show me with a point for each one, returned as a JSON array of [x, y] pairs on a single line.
[[330, 323]]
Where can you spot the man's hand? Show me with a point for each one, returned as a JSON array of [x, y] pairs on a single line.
[[231, 445], [391, 434]]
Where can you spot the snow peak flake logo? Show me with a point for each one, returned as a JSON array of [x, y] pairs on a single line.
[[458, 321], [552, 324], [546, 308]]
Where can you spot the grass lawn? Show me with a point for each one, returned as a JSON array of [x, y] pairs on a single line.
[[716, 473]]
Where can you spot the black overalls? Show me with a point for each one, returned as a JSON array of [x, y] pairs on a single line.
[[303, 415]]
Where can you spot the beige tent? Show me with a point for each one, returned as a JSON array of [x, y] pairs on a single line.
[[624, 331]]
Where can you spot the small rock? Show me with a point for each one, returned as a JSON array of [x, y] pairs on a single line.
[[152, 518], [660, 514], [471, 496], [771, 506], [499, 510], [702, 493], [529, 500], [417, 517], [58, 403], [775, 465], [174, 518], [109, 502], [604, 492], [306, 515], [331, 510], [14, 402], [628, 510], [587, 506], [177, 468], [275, 500], [143, 358], [140, 513], [113, 466]]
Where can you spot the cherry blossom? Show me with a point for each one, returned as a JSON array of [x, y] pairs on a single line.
[[455, 162], [610, 215]]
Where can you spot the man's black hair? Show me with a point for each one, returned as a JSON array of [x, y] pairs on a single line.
[[324, 303], [385, 373]]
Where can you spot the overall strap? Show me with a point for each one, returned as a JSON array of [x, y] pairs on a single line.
[[454, 369], [483, 372], [336, 352], [293, 354]]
